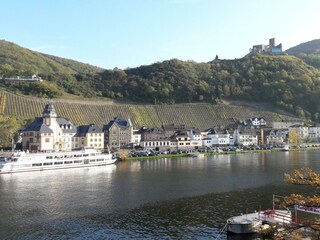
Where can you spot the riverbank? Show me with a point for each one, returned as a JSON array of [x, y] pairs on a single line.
[[216, 153]]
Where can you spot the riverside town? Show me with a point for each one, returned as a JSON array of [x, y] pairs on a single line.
[[53, 133]]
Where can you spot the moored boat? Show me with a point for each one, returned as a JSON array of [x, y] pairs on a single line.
[[26, 162], [196, 154], [285, 148], [244, 224], [252, 222]]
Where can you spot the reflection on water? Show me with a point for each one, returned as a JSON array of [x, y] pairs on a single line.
[[160, 198]]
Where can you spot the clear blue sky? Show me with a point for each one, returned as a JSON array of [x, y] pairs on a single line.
[[130, 33]]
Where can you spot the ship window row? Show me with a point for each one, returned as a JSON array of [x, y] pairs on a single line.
[[57, 163], [53, 163], [66, 156]]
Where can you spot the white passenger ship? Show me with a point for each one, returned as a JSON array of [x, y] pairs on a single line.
[[26, 162]]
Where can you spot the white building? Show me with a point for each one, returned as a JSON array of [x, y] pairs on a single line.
[[88, 136], [245, 137], [255, 121], [314, 134], [48, 133], [136, 137], [195, 138], [277, 137], [218, 138], [154, 138]]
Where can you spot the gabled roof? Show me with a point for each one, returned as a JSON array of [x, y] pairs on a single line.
[[196, 131], [217, 131], [37, 126], [84, 129], [70, 128], [172, 127], [247, 131], [121, 122], [153, 131]]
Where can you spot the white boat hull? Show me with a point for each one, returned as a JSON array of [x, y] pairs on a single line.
[[33, 169], [244, 224], [51, 161], [244, 228]]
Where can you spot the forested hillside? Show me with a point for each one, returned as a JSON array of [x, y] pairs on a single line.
[[285, 81], [288, 82]]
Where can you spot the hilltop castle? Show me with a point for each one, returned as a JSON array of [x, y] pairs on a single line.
[[261, 48]]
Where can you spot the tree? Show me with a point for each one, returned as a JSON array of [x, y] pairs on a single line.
[[294, 137], [305, 176], [8, 127]]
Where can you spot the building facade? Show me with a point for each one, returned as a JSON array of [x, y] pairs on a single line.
[[88, 136], [118, 133], [155, 138], [48, 133]]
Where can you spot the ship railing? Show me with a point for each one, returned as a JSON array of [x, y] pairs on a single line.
[[276, 216]]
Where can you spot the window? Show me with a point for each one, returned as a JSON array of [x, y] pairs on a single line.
[[47, 140], [36, 164]]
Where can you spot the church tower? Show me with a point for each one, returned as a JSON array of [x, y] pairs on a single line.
[[49, 115]]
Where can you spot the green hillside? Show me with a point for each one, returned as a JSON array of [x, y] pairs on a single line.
[[287, 82], [101, 112], [284, 81], [63, 75]]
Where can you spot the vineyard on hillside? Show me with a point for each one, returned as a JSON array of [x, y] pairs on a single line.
[[202, 116]]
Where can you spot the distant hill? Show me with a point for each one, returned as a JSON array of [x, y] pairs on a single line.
[[311, 47], [287, 82], [308, 52]]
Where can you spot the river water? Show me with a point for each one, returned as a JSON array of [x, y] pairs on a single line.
[[167, 198]]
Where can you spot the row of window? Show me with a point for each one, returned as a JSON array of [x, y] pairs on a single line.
[[95, 134], [61, 162], [121, 133], [118, 143], [121, 139], [71, 156], [99, 140], [149, 144]]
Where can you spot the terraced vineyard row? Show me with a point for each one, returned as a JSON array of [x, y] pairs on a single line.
[[202, 116], [2, 102]]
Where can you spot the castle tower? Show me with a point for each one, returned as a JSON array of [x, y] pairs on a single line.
[[272, 43]]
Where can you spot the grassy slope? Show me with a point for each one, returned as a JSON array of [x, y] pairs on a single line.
[[13, 58], [101, 112]]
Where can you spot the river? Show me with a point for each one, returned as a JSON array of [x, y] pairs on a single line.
[[166, 198]]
